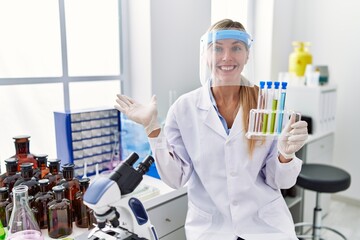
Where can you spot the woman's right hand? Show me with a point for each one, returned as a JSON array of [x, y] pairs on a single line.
[[145, 115]]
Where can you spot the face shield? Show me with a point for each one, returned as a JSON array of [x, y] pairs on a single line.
[[223, 56]]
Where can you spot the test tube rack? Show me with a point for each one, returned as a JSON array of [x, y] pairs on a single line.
[[268, 123]]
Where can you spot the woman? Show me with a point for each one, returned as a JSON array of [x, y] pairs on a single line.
[[233, 183]]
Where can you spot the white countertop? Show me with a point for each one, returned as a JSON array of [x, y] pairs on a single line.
[[162, 193]]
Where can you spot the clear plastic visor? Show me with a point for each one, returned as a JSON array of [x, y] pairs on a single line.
[[223, 56]]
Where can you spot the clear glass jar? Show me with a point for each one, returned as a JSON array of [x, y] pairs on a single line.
[[22, 224]]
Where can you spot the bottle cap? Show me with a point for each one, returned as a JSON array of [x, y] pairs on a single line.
[[44, 181], [26, 166], [58, 188], [21, 136], [68, 166], [11, 161]]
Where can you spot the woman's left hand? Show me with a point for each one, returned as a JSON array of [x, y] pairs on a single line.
[[292, 138]]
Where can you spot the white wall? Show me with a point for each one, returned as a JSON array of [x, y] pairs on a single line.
[[164, 47], [333, 28]]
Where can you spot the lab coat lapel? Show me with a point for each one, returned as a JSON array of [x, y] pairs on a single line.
[[237, 127], [211, 119]]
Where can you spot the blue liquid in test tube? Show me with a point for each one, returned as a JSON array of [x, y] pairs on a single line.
[[281, 106]]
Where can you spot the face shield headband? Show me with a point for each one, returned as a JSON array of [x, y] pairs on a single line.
[[222, 57], [228, 34]]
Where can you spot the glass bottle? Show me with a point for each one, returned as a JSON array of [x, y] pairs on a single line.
[[71, 185], [31, 202], [42, 198], [55, 176], [4, 201], [22, 224], [9, 207], [82, 212], [42, 165], [23, 155], [28, 179], [59, 214], [12, 173]]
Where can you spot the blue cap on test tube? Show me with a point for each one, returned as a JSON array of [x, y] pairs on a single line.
[[262, 84], [276, 84], [269, 84], [283, 85]]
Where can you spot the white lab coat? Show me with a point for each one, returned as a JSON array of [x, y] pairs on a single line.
[[229, 193]]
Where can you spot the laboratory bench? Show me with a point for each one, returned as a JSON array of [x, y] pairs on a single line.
[[166, 208]]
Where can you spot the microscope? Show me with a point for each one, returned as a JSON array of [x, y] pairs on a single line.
[[120, 215]]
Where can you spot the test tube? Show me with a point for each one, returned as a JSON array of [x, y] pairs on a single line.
[[281, 106], [260, 106], [268, 99], [274, 106]]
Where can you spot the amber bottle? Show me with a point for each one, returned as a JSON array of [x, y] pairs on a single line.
[[4, 201], [55, 176], [59, 214], [82, 212], [28, 179], [11, 173], [71, 185], [42, 169], [42, 199], [23, 155]]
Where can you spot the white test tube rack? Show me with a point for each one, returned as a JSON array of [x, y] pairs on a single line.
[[265, 123]]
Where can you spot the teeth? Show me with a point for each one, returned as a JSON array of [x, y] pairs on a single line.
[[227, 68]]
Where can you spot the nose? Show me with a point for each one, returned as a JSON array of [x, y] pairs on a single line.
[[226, 55]]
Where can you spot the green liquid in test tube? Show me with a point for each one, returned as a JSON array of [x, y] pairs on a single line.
[[274, 106]]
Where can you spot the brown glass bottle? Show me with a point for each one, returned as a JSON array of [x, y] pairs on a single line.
[[55, 176], [71, 185], [11, 172], [82, 212], [42, 165], [59, 214], [28, 179], [23, 155], [42, 199], [4, 201]]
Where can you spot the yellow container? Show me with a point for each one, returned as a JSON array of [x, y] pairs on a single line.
[[299, 58]]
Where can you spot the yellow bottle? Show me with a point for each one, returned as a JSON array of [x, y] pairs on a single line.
[[299, 58]]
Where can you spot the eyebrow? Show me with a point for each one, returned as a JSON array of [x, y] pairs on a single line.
[[235, 42]]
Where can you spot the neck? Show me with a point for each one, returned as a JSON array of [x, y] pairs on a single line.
[[226, 94]]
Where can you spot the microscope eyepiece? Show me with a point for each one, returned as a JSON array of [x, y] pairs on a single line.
[[144, 166], [132, 158]]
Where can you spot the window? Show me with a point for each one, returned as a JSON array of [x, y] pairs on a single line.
[[55, 55]]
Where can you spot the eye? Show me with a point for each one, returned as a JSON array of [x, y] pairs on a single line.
[[218, 49], [236, 48]]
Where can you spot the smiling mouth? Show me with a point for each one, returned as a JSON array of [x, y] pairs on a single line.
[[227, 68]]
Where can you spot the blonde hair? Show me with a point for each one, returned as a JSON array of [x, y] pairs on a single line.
[[248, 95]]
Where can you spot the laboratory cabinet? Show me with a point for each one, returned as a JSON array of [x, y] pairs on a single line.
[[169, 218], [86, 137]]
